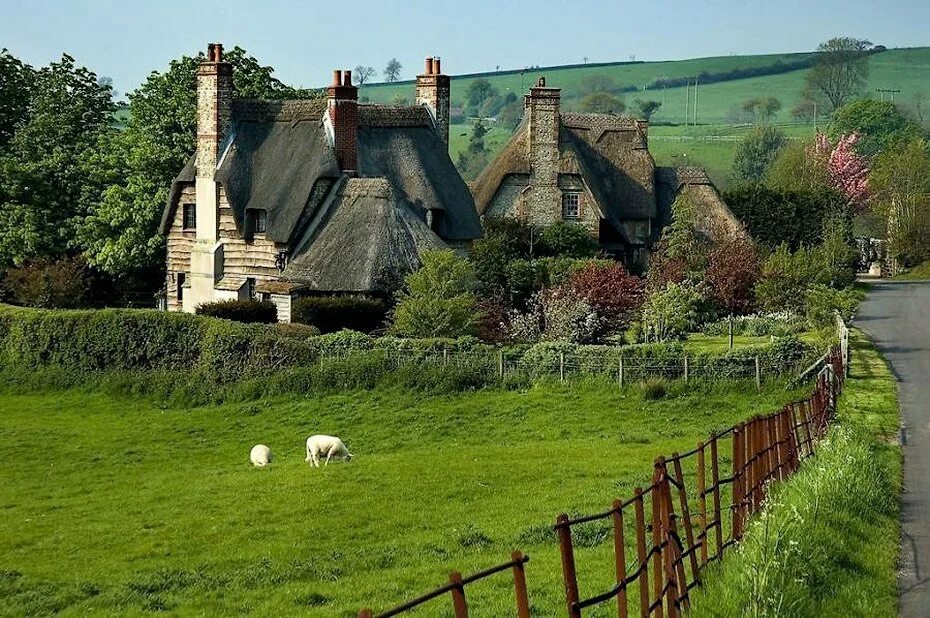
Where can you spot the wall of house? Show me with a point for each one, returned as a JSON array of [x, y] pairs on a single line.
[[241, 259]]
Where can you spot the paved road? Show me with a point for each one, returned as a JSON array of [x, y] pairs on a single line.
[[897, 316]]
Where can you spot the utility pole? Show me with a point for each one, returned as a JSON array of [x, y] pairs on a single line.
[[688, 102], [696, 78]]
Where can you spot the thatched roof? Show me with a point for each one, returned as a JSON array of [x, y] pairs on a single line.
[[279, 153], [610, 152], [711, 215], [366, 238]]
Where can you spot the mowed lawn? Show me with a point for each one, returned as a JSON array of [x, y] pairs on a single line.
[[122, 505]]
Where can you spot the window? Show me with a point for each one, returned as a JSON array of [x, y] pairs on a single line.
[[181, 278], [259, 221], [190, 217], [250, 287], [571, 205]]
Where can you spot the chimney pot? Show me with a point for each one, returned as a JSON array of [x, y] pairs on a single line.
[[436, 70], [429, 66], [337, 77], [347, 78], [211, 52], [218, 52], [541, 82]]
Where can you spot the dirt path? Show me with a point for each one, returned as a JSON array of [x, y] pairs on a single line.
[[897, 316]]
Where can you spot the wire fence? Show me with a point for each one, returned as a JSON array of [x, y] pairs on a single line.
[[696, 507]]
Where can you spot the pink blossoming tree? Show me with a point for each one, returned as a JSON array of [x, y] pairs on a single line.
[[848, 171]]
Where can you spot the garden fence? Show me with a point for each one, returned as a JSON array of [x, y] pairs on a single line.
[[696, 507]]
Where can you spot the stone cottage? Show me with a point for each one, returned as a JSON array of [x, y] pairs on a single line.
[[327, 196], [594, 170]]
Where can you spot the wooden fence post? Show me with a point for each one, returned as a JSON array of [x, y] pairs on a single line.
[[686, 521], [641, 552], [561, 366], [702, 500], [365, 613], [519, 585], [500, 364], [458, 595], [658, 572], [620, 557], [715, 480], [686, 367], [737, 480], [568, 565], [758, 374], [620, 372]]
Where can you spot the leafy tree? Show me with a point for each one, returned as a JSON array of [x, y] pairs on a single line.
[[16, 80], [567, 239], [806, 109], [602, 103], [363, 74], [392, 70], [400, 99], [647, 108], [119, 233], [732, 272], [840, 71], [45, 186], [768, 107], [475, 157], [479, 91], [900, 182], [848, 171], [795, 169], [838, 251], [878, 124], [510, 115], [598, 82], [756, 152], [785, 278], [437, 299]]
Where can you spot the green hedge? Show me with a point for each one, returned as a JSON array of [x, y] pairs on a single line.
[[144, 340], [334, 313], [247, 311]]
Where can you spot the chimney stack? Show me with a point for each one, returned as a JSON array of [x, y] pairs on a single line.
[[433, 90], [214, 108], [542, 106], [343, 117]]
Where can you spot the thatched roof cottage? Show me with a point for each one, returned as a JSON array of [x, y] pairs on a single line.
[[325, 196], [595, 170]]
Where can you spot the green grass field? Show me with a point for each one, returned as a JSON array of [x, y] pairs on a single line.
[[124, 505], [904, 69], [921, 272]]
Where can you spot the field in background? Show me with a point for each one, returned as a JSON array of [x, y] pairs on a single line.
[[904, 69], [124, 504]]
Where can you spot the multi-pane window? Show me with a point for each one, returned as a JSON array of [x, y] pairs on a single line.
[[571, 205], [259, 221], [190, 217]]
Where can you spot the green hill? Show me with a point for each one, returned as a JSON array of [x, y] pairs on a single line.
[[904, 69]]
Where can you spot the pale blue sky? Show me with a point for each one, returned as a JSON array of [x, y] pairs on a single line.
[[304, 41]]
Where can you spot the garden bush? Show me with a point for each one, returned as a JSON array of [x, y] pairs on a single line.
[[246, 311], [756, 325], [335, 313]]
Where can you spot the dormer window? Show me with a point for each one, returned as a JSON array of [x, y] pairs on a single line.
[[571, 205], [258, 221], [189, 220]]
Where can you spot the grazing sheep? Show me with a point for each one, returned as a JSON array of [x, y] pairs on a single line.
[[331, 446], [260, 455]]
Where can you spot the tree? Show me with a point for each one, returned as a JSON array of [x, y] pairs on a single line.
[[768, 107], [919, 104], [400, 99], [785, 278], [647, 108], [670, 313], [878, 124], [732, 272], [16, 79], [848, 171], [475, 157], [392, 70], [437, 299], [611, 291], [119, 232], [598, 82], [602, 103], [567, 239], [806, 110], [45, 184], [478, 91], [756, 152], [900, 181], [363, 74], [840, 71], [510, 115], [796, 169]]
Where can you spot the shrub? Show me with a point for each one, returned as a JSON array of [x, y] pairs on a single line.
[[756, 325], [437, 300], [334, 313], [611, 291], [246, 311], [785, 277], [671, 313], [565, 239], [557, 314], [732, 272], [654, 388], [821, 303], [756, 153], [60, 283]]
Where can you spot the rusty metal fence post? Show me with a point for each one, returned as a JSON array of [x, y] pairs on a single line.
[[568, 565]]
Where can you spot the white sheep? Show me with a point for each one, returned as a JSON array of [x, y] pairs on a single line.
[[331, 446], [260, 455]]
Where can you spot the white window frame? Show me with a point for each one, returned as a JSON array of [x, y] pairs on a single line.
[[568, 197]]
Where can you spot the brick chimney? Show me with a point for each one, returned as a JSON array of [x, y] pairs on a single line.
[[342, 113], [214, 109], [433, 90], [544, 198]]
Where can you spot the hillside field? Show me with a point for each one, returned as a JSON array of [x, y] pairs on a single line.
[[115, 504]]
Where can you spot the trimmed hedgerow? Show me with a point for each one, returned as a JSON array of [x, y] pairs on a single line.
[[246, 311], [334, 313]]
